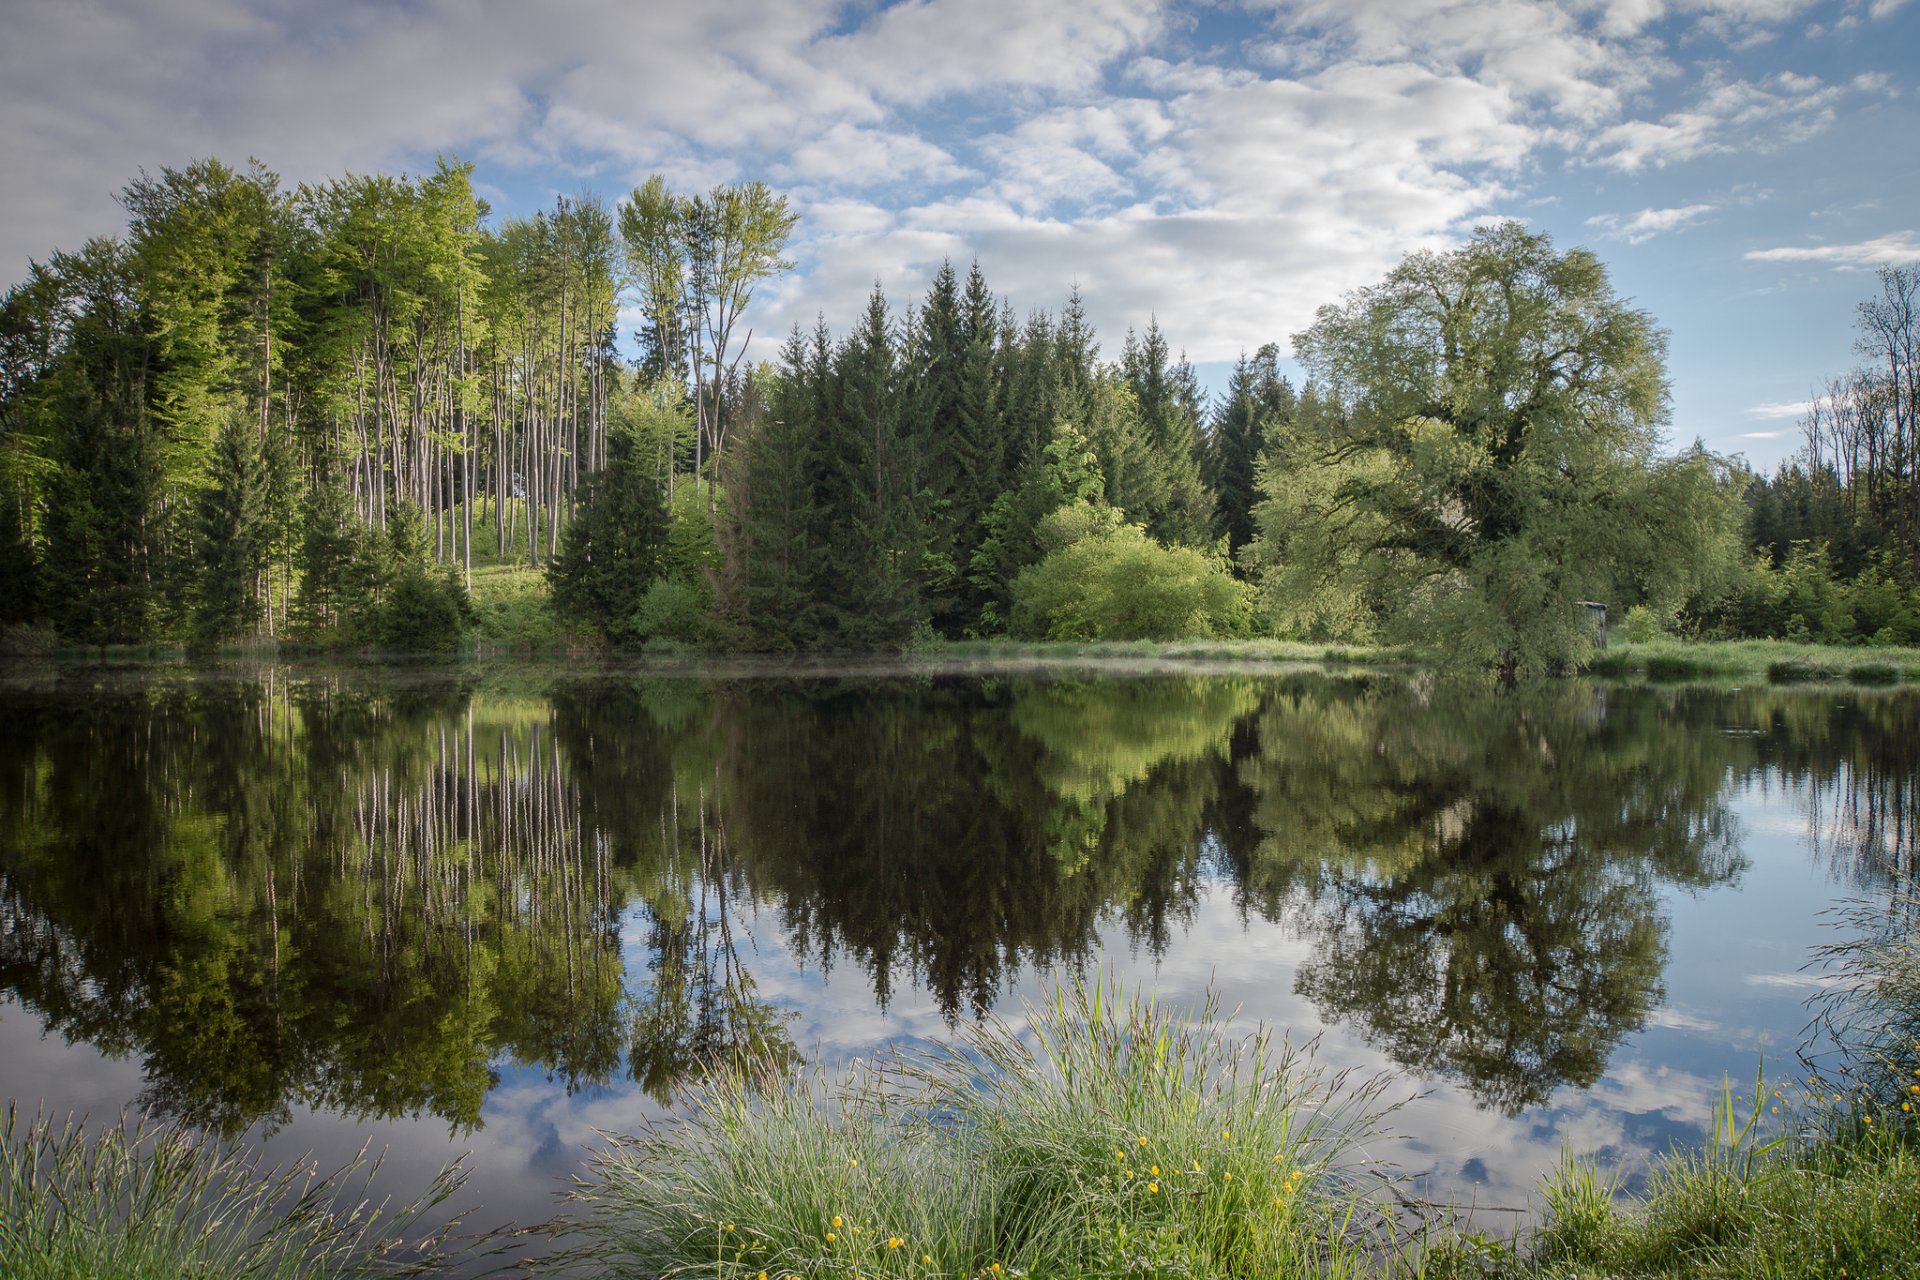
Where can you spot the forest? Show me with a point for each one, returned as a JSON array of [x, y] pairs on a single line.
[[365, 414]]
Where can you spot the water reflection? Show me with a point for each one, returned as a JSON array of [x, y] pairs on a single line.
[[370, 897]]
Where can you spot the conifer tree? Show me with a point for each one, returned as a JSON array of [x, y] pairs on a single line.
[[775, 511], [612, 549], [1258, 402], [868, 589], [233, 535], [1175, 505]]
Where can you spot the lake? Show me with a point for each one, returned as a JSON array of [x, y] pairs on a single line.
[[495, 909]]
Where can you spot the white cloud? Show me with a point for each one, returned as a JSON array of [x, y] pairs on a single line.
[[1645, 225], [848, 155], [1779, 409], [1890, 250], [920, 50], [1758, 115]]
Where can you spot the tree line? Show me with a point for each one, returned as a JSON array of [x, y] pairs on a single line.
[[1835, 530], [311, 413]]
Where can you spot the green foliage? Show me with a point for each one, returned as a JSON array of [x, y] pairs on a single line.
[[1259, 403], [234, 535], [1485, 461], [672, 612], [614, 546], [424, 612], [1113, 582]]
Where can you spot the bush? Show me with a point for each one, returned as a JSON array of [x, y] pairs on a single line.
[[1119, 584], [423, 615], [28, 640], [672, 612]]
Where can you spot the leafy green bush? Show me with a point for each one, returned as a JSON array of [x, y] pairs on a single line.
[[424, 614], [674, 612], [1116, 583]]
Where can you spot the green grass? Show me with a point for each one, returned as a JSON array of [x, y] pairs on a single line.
[[512, 610], [1108, 1138], [1276, 651], [147, 1200], [1776, 661], [1844, 1203], [1819, 1180]]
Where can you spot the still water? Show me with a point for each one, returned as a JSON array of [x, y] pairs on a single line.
[[468, 911]]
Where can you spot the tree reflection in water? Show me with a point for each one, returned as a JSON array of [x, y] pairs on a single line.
[[369, 896]]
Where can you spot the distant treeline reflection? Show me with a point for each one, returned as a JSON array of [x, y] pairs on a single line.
[[365, 896]]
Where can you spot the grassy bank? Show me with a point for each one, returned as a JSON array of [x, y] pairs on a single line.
[[1773, 661]]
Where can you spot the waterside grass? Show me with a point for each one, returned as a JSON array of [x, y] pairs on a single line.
[[1107, 1137], [153, 1200], [1774, 661]]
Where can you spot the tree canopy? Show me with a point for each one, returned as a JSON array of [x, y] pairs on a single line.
[[1482, 456]]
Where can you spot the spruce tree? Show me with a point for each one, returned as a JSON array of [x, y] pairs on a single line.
[[869, 588], [233, 535], [611, 551], [774, 511], [1175, 504], [1258, 401]]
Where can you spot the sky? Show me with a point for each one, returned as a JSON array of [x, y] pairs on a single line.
[[1742, 166]]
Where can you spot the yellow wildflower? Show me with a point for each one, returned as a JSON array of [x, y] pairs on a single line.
[[836, 1219], [831, 1237], [1228, 1176], [1153, 1188], [1143, 1141], [894, 1242], [1155, 1171]]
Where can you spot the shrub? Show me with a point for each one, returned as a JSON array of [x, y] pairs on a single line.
[[672, 612], [1119, 584]]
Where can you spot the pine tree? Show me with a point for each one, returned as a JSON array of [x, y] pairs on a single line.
[[774, 510], [1175, 504], [330, 538], [869, 588], [233, 535], [1258, 401], [612, 549]]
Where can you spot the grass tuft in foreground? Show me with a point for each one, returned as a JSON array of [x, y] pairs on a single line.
[[146, 1200], [1105, 1137], [1820, 1180]]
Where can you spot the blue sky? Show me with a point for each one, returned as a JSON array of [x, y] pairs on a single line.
[[1741, 165]]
